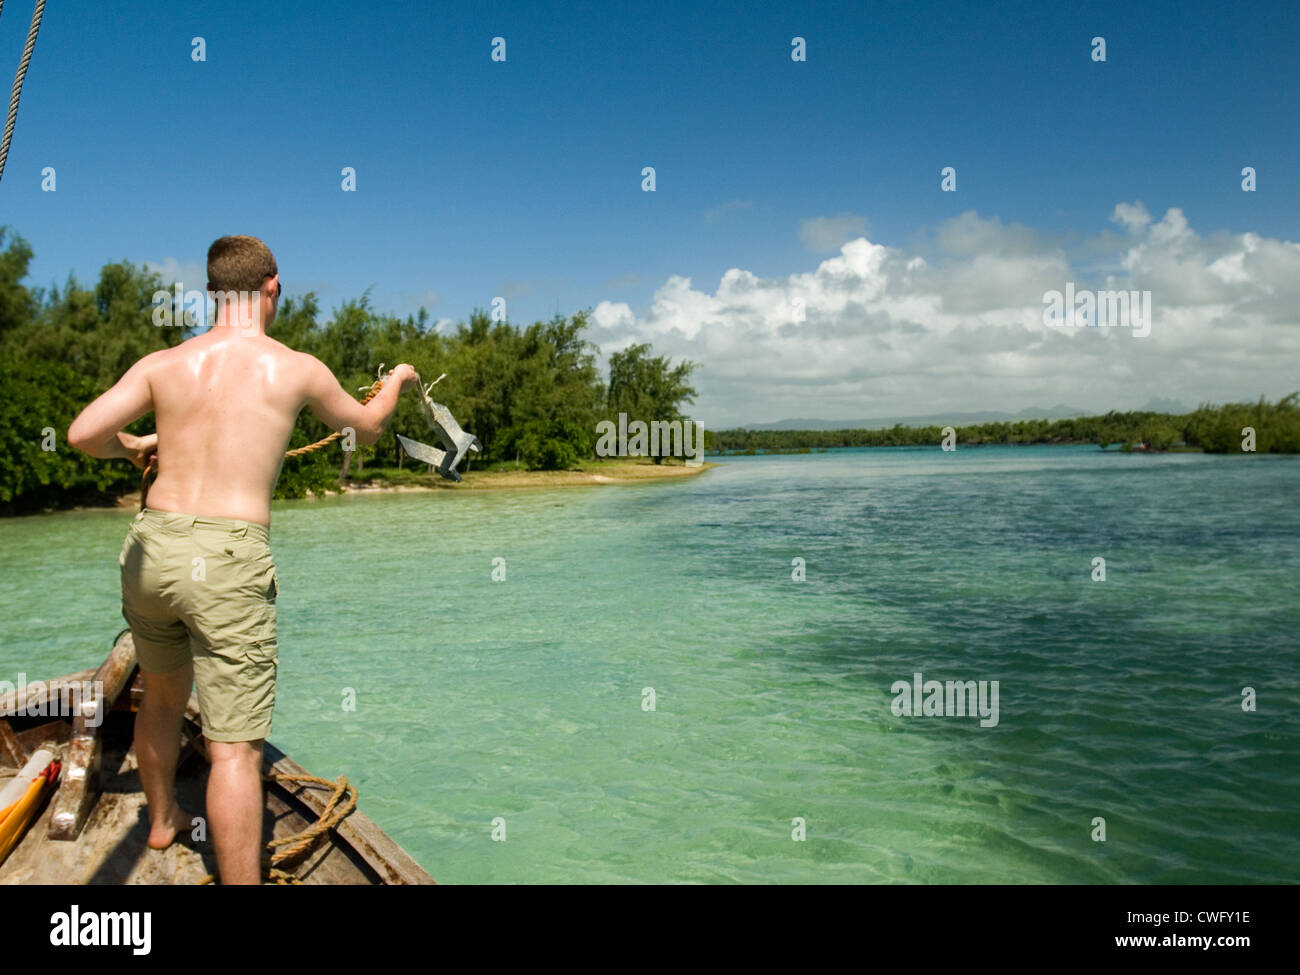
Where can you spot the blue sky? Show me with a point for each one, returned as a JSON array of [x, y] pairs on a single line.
[[522, 179]]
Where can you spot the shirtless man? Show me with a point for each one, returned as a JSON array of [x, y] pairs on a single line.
[[198, 583]]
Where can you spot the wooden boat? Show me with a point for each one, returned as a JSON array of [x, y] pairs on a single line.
[[93, 829]]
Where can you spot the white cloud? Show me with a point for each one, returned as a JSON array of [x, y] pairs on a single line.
[[612, 315], [1133, 216], [969, 235], [887, 331]]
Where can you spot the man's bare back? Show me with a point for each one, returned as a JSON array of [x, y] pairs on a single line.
[[225, 403], [224, 406]]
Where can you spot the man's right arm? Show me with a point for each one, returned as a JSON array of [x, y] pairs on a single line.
[[337, 410]]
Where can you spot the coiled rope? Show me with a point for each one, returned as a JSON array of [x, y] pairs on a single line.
[[18, 81], [337, 808]]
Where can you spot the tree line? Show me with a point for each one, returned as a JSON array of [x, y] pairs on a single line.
[[1214, 429], [532, 394]]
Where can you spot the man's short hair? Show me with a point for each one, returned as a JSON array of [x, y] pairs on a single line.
[[239, 263]]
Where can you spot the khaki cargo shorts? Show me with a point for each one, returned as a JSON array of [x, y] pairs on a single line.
[[204, 589]]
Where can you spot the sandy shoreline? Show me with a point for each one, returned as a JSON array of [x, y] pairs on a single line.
[[606, 472], [628, 472]]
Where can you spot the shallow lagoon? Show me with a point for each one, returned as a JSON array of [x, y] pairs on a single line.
[[527, 699]]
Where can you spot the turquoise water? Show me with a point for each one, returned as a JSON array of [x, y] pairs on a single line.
[[522, 699]]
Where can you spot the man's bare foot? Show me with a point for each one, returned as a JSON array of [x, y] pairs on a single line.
[[161, 834]]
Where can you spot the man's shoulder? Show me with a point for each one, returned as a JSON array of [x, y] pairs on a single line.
[[306, 371], [159, 357], [288, 354], [302, 361]]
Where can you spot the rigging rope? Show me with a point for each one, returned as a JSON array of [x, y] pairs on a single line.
[[299, 451], [18, 81]]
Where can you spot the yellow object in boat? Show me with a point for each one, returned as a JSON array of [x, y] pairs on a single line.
[[15, 819]]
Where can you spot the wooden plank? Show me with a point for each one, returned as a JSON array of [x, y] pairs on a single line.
[[79, 789], [11, 749], [109, 681], [35, 695], [81, 785], [56, 732]]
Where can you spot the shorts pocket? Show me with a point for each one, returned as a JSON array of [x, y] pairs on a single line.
[[231, 548], [262, 653]]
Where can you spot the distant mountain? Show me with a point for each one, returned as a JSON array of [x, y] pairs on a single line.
[[1058, 412]]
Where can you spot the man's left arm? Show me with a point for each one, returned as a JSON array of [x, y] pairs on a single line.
[[98, 429]]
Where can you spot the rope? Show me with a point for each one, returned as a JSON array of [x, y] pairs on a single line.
[[304, 840], [299, 451], [151, 472], [18, 81]]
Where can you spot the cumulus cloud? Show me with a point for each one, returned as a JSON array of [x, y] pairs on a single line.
[[822, 234], [968, 235], [1133, 216], [878, 330]]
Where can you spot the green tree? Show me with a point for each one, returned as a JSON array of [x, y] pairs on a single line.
[[646, 387], [532, 394]]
